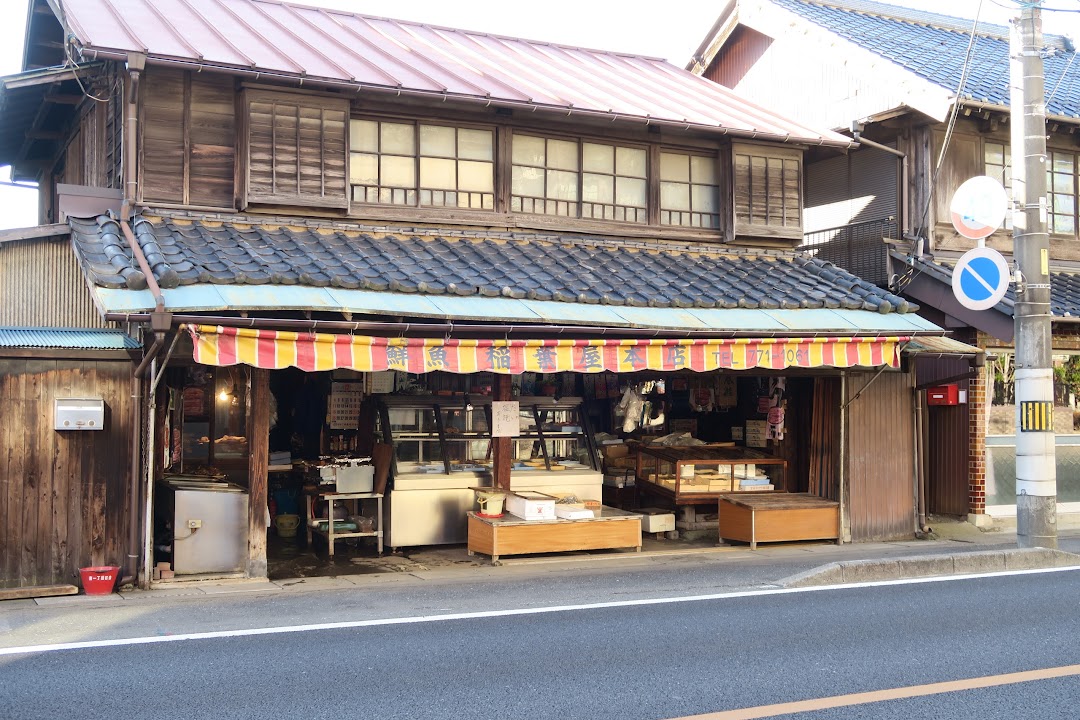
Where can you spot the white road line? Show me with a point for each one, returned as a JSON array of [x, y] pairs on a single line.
[[150, 640]]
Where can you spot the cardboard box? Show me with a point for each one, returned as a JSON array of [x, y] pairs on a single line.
[[619, 480], [531, 505], [655, 520]]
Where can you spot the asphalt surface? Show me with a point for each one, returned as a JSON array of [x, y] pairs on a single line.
[[659, 660], [243, 605]]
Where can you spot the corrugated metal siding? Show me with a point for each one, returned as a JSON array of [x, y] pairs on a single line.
[[64, 338], [947, 441], [856, 187], [361, 52], [41, 285], [880, 464]]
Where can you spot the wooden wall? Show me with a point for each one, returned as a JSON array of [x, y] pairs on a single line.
[[945, 432], [879, 447], [63, 495]]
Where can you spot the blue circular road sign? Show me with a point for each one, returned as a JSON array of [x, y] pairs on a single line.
[[980, 278]]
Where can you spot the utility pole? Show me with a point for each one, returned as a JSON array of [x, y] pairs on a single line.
[[1036, 472]]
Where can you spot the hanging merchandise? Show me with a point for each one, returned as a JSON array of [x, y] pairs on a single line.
[[777, 408], [630, 408], [726, 393], [702, 399]]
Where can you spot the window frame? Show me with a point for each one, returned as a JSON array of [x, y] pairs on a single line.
[[1050, 192], [578, 204], [417, 157]]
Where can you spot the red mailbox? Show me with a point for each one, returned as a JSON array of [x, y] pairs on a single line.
[[943, 395]]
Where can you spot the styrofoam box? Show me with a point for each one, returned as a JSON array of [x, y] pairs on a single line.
[[654, 520], [531, 505], [358, 479]]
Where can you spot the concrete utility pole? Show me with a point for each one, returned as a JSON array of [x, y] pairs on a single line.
[[1036, 472]]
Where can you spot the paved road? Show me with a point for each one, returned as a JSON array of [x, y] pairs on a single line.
[[655, 660]]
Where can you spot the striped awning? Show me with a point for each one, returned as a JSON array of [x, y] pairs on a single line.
[[275, 349]]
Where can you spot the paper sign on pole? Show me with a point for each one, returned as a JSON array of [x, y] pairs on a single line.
[[505, 418]]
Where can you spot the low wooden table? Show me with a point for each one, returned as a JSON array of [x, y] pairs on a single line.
[[510, 535], [777, 517]]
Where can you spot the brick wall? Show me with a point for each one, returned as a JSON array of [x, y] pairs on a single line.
[[978, 399]]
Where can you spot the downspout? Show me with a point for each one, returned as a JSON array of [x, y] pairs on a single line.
[[920, 471]]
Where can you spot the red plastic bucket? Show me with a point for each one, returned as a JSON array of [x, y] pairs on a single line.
[[99, 580]]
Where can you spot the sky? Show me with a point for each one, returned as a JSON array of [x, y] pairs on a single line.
[[624, 25]]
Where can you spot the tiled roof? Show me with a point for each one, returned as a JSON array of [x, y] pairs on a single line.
[[1064, 286], [934, 47], [471, 263], [67, 338], [277, 40]]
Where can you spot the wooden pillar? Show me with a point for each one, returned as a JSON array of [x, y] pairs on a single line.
[[258, 431], [502, 450]]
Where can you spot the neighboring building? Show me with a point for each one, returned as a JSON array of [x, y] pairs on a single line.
[[892, 75], [401, 187]]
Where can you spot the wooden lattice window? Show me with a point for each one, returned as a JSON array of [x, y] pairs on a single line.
[[768, 191], [296, 151]]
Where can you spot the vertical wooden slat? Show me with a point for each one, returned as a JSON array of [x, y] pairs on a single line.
[[13, 475], [33, 474], [258, 428], [946, 449], [880, 456]]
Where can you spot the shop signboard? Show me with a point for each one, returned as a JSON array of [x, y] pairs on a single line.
[[217, 345]]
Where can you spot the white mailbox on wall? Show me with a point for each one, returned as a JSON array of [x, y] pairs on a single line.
[[79, 414]]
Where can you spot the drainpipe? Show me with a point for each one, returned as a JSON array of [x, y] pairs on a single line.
[[131, 566], [920, 471]]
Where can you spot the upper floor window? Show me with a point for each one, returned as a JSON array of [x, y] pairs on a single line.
[[1061, 192], [417, 164], [1061, 184], [689, 192], [591, 180], [768, 190]]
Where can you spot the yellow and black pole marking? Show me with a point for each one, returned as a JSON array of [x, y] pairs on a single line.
[[1036, 416]]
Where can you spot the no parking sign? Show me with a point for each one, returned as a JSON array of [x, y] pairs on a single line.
[[980, 278]]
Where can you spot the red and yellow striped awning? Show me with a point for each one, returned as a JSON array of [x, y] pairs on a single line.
[[275, 349]]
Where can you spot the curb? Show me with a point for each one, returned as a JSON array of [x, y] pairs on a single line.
[[920, 566]]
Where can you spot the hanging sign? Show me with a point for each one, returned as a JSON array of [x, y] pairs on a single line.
[[978, 207], [757, 433], [980, 278]]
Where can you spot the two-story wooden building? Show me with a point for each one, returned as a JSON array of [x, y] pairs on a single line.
[[927, 96], [262, 186]]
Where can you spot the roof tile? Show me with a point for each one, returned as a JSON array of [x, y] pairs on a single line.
[[568, 269]]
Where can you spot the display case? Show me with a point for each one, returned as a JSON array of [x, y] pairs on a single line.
[[443, 449], [699, 474]]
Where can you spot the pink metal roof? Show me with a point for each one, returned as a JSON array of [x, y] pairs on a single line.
[[337, 47]]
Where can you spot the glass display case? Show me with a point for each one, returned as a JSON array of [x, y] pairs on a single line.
[[433, 434], [698, 474], [443, 449]]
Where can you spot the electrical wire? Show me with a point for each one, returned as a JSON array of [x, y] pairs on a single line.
[[908, 274]]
